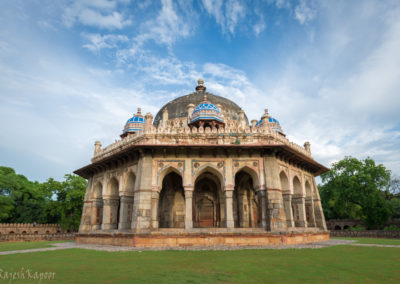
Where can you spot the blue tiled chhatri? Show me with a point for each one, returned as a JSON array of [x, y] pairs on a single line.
[[206, 111], [135, 123]]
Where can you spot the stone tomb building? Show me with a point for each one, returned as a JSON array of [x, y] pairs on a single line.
[[200, 174]]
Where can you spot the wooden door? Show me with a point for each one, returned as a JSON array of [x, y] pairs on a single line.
[[205, 213]]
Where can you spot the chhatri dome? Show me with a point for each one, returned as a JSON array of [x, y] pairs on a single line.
[[201, 175], [205, 113], [134, 124]]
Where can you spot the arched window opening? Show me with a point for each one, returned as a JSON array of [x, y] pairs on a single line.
[[246, 206], [207, 207], [171, 204]]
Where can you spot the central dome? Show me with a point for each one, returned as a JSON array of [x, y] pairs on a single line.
[[178, 107]]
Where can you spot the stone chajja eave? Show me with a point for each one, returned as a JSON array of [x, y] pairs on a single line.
[[279, 149]]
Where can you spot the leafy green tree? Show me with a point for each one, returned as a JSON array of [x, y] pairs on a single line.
[[24, 201], [70, 200], [355, 189], [66, 205], [393, 196]]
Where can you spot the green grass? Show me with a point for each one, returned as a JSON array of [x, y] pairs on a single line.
[[372, 241], [7, 246], [338, 264]]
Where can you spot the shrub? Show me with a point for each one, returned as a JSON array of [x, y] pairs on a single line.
[[391, 228], [356, 228]]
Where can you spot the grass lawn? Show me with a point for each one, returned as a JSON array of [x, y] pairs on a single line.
[[7, 246], [339, 264], [372, 241]]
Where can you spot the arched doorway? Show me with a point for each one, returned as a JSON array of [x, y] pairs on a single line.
[[297, 203], [287, 198], [126, 202], [207, 201], [111, 205], [246, 206], [309, 206], [171, 204]]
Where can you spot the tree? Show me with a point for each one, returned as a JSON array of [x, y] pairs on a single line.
[[21, 197], [355, 189], [70, 200], [393, 196], [24, 201]]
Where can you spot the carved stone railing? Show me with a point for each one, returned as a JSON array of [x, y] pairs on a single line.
[[194, 136]]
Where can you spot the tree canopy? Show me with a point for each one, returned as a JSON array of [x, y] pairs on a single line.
[[24, 201], [357, 189]]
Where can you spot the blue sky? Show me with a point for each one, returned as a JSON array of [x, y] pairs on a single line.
[[72, 72]]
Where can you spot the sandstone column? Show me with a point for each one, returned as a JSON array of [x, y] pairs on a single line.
[[318, 212], [188, 208], [263, 205], [310, 209], [155, 195], [125, 212], [229, 223], [287, 202], [141, 221], [85, 224], [276, 218]]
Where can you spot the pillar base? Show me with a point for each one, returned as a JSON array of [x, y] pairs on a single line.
[[109, 227]]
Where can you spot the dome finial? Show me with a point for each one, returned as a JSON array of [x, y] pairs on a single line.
[[200, 85], [205, 97]]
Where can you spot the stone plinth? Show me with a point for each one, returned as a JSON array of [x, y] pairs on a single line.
[[203, 238]]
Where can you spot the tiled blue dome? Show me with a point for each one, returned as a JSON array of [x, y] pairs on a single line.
[[273, 120], [135, 123], [136, 119], [273, 123], [206, 106], [206, 111]]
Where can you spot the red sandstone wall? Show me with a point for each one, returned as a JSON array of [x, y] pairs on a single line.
[[20, 228], [203, 240]]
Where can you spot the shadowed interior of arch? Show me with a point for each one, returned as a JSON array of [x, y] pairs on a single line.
[[309, 205], [171, 204], [297, 202], [207, 205], [246, 205], [287, 198]]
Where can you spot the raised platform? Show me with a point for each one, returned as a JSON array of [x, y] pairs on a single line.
[[202, 237]]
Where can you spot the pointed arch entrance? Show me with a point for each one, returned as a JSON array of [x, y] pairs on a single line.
[[97, 207], [246, 203], [111, 206], [171, 204], [207, 196], [287, 199]]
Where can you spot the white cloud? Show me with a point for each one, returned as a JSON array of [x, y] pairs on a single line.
[[113, 20], [260, 26], [342, 95], [304, 12], [98, 42], [166, 28], [98, 13], [228, 15], [235, 12]]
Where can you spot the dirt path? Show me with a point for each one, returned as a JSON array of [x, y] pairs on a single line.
[[71, 245]]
